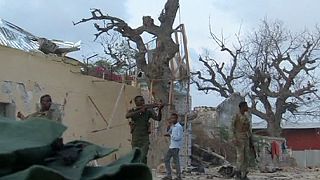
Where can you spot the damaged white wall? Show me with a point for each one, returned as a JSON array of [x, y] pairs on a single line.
[[213, 125], [210, 119], [206, 121], [24, 77], [228, 108]]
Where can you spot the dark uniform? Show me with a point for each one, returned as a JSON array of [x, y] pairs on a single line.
[[241, 128], [140, 131]]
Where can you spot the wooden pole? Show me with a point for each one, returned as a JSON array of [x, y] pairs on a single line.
[[171, 95], [113, 111], [153, 125], [94, 104], [151, 93], [116, 105], [184, 37]]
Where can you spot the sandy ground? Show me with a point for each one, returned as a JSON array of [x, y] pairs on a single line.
[[285, 174]]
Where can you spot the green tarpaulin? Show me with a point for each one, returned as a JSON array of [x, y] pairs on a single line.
[[26, 153]]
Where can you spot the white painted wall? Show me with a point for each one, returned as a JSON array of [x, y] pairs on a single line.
[[24, 77], [307, 158]]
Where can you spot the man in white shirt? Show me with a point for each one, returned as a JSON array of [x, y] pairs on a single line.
[[176, 138]]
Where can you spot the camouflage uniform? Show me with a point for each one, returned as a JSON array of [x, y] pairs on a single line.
[[241, 128], [50, 114], [140, 131]]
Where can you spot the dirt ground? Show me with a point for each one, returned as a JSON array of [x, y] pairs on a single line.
[[284, 174]]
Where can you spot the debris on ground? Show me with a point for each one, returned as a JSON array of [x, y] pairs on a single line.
[[254, 174], [204, 158], [227, 171]]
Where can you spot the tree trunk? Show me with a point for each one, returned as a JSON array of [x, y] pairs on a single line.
[[274, 128], [159, 143], [159, 73]]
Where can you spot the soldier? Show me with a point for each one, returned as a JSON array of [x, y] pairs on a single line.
[[139, 124], [45, 110], [241, 128]]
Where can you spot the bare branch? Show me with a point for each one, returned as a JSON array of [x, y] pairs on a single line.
[[215, 85]]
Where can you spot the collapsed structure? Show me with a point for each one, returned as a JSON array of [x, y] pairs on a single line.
[[212, 134]]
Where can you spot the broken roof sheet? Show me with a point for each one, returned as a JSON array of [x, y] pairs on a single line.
[[15, 37]]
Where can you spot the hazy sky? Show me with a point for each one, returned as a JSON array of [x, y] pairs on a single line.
[[53, 20]]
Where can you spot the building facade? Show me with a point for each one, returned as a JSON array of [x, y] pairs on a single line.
[[86, 104], [302, 141]]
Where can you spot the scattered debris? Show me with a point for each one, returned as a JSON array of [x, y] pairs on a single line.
[[270, 169], [204, 158], [227, 171], [254, 174]]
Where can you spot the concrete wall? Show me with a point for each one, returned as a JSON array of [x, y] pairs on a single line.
[[228, 108], [206, 133], [211, 128], [307, 158], [205, 123], [24, 77]]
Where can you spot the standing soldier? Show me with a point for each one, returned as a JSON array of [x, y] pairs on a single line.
[[241, 128], [139, 124]]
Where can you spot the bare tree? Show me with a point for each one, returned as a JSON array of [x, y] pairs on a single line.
[[119, 52], [157, 71], [166, 48], [273, 67]]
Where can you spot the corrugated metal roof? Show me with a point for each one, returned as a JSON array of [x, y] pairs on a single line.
[[15, 37]]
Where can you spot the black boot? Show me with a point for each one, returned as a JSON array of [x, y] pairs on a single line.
[[237, 174], [244, 176]]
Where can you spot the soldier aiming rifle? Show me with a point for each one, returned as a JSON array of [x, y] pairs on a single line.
[[140, 126]]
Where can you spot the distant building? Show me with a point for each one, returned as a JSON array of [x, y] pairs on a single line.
[[302, 138], [299, 136]]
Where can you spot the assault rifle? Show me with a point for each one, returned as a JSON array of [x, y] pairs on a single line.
[[151, 106], [131, 124], [145, 107]]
